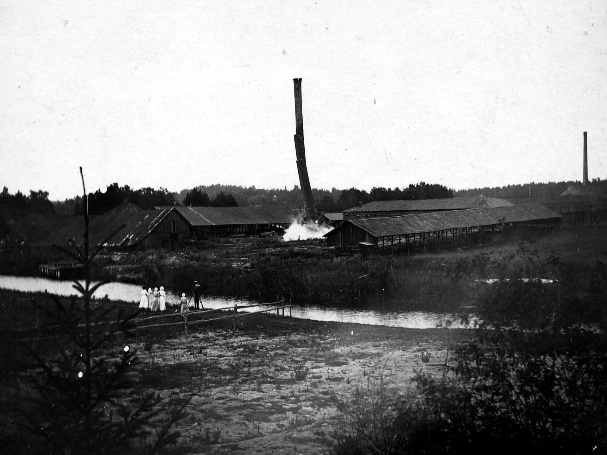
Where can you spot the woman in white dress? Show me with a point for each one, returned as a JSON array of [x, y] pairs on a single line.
[[143, 303], [150, 299], [161, 299], [155, 300]]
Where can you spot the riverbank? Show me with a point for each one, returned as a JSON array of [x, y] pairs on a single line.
[[307, 272], [274, 386]]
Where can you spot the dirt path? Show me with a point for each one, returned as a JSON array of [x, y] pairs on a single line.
[[275, 390]]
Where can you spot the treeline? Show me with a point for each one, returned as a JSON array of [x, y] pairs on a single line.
[[535, 190], [199, 198], [252, 196], [19, 205], [352, 197], [218, 195], [333, 200], [114, 195]]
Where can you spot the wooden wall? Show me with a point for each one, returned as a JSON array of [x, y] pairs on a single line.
[[348, 235], [172, 232]]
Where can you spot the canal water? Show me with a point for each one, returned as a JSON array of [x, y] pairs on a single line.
[[132, 293]]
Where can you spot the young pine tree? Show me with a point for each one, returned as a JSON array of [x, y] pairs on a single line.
[[85, 399]]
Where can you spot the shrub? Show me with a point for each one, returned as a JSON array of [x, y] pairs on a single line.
[[532, 380]]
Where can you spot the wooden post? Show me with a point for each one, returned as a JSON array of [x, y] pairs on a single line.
[[185, 323], [235, 311]]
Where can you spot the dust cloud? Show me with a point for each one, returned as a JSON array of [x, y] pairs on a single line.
[[305, 231]]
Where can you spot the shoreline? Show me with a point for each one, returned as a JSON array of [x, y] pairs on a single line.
[[276, 384]]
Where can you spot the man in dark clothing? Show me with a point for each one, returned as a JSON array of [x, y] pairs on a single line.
[[197, 304]]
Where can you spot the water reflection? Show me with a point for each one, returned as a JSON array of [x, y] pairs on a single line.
[[131, 293]]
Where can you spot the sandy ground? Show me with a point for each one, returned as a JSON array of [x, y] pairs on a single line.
[[274, 387]]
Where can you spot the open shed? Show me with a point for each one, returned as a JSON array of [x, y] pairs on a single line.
[[449, 226], [404, 207]]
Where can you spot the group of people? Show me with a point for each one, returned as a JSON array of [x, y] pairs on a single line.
[[156, 300], [153, 300]]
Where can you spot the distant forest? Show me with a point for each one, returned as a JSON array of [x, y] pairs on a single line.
[[536, 190], [334, 200]]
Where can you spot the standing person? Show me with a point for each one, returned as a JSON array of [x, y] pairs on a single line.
[[184, 306], [150, 299], [197, 304], [143, 303], [155, 300], [161, 299]]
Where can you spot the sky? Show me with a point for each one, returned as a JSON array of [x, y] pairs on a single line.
[[176, 94]]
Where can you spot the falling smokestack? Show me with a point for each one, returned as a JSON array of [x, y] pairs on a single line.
[[300, 153], [585, 180]]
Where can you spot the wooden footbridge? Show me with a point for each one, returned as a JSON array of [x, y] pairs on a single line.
[[169, 318], [197, 317], [62, 270]]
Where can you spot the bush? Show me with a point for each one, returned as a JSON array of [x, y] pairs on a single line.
[[532, 380]]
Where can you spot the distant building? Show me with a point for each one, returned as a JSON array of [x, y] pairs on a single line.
[[403, 207], [332, 219], [439, 227], [208, 222], [130, 227], [571, 191]]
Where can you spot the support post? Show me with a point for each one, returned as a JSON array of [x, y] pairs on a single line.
[[235, 311]]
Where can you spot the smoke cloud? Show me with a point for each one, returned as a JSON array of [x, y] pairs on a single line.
[[305, 231]]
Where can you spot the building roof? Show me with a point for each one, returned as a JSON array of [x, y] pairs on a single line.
[[135, 227], [217, 216], [522, 213], [418, 223], [131, 226], [571, 191], [335, 216], [457, 203]]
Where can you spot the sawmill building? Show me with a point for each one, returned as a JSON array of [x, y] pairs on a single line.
[[439, 227], [208, 222], [404, 207]]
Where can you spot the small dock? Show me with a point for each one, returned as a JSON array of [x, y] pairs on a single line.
[[62, 270]]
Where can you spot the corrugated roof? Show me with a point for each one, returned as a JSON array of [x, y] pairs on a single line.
[[136, 227], [418, 223], [218, 216], [335, 216], [571, 191], [522, 213], [53, 229], [457, 203]]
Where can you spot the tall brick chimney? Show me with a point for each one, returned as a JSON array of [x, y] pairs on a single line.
[[585, 178], [300, 153]]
